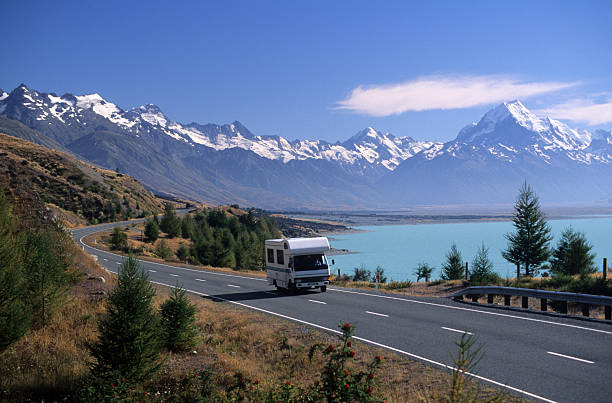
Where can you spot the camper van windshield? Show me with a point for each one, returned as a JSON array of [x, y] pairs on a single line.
[[309, 262]]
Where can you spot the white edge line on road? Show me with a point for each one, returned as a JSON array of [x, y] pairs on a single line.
[[377, 314], [232, 285], [456, 330], [200, 279], [571, 358], [417, 357], [473, 310], [317, 302]]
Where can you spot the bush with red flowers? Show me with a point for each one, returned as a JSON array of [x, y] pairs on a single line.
[[340, 384]]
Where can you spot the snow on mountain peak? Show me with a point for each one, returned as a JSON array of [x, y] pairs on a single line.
[[152, 114]]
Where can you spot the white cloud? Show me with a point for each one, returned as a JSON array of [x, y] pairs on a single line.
[[584, 111], [442, 92]]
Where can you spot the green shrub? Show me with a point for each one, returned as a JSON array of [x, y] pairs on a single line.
[[163, 250], [424, 271], [362, 274], [338, 382], [118, 239]]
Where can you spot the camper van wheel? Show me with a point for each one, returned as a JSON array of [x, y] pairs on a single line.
[[323, 288], [291, 286]]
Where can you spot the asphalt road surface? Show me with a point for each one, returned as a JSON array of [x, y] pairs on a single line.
[[535, 356]]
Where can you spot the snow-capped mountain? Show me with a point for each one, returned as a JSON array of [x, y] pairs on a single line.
[[489, 159], [486, 162], [365, 150]]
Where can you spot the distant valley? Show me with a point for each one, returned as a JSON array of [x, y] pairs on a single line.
[[484, 164]]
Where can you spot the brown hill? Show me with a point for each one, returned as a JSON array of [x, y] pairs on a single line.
[[79, 192]]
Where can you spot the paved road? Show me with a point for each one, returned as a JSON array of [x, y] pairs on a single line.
[[538, 357]]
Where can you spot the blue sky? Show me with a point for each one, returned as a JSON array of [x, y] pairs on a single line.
[[307, 69]]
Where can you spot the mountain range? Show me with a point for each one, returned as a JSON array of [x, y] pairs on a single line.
[[485, 163]]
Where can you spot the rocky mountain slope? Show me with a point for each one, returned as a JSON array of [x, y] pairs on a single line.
[[79, 192]]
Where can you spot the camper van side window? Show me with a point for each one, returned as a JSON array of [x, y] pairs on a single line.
[[280, 257], [270, 255]]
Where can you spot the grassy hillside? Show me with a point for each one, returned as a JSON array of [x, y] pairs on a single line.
[[80, 192]]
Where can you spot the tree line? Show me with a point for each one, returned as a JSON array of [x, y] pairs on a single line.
[[217, 238]]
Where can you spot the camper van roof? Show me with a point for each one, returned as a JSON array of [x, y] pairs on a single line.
[[305, 245]]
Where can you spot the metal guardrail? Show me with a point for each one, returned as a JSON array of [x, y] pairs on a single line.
[[586, 300]]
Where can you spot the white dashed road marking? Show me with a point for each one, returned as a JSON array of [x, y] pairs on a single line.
[[570, 357], [232, 285], [200, 279], [377, 314], [174, 275], [317, 302], [456, 330]]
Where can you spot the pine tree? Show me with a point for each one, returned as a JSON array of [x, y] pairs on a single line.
[[129, 345], [528, 246], [170, 223], [573, 254], [452, 269], [482, 268], [151, 231], [118, 239], [15, 315], [48, 282], [178, 322]]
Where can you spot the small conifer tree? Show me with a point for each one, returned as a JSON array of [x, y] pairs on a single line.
[[528, 245], [482, 268], [170, 223], [48, 281], [452, 269], [118, 239], [178, 322], [151, 231], [129, 344], [573, 254], [15, 315]]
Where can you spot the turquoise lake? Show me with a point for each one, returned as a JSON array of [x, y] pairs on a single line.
[[399, 248]]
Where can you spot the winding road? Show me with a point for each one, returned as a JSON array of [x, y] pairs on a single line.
[[539, 357]]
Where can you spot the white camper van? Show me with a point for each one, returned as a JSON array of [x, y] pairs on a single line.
[[294, 263]]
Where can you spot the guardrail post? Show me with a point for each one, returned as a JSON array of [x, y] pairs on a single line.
[[490, 298], [474, 298], [543, 304], [507, 300], [585, 310], [608, 312], [564, 307], [525, 302], [605, 267]]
